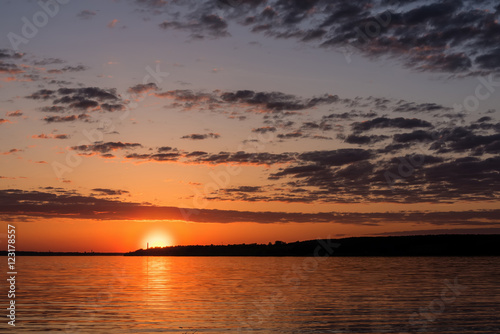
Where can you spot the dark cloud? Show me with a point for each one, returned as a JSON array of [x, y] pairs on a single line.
[[48, 61], [110, 192], [158, 157], [413, 107], [60, 119], [89, 93], [251, 101], [53, 109], [213, 25], [10, 54], [457, 37], [80, 99], [264, 129], [491, 60], [200, 157], [86, 14], [244, 189], [78, 68], [244, 158], [336, 157], [106, 147], [418, 135], [42, 94], [166, 149], [10, 68], [51, 136], [384, 122], [197, 136], [112, 107], [362, 140], [276, 101], [16, 113], [349, 115], [295, 134], [48, 204], [143, 88]]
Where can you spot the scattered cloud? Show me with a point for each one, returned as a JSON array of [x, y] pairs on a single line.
[[51, 136], [196, 136], [62, 119], [110, 192], [112, 24], [78, 100], [455, 37], [16, 203], [211, 24], [86, 14], [101, 147], [16, 113]]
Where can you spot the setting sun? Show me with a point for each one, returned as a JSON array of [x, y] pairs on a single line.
[[157, 238]]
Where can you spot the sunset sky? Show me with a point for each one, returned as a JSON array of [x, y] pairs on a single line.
[[214, 122]]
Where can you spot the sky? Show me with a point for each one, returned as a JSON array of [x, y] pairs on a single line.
[[130, 122]]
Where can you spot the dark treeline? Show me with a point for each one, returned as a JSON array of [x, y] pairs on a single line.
[[421, 245], [30, 253], [424, 245]]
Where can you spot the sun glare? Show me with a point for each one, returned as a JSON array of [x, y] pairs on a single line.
[[157, 239]]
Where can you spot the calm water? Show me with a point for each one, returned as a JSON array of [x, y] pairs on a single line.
[[256, 295]]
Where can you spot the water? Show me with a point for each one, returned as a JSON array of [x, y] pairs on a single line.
[[256, 295]]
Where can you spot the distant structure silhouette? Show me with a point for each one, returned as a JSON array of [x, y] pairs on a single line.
[[417, 245]]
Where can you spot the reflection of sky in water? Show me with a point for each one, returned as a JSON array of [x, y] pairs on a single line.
[[217, 294]]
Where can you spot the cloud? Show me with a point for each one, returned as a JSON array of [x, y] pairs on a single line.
[[101, 147], [45, 204], [363, 140], [455, 37], [143, 88], [48, 61], [42, 94], [51, 136], [200, 157], [196, 136], [79, 99], [86, 14], [10, 54], [112, 24], [384, 122], [418, 135], [110, 192], [61, 119], [16, 113], [336, 157], [53, 109], [3, 120], [211, 24], [264, 129], [10, 68], [78, 68], [12, 151], [251, 101], [413, 107]]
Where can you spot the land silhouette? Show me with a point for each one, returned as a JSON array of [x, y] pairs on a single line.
[[422, 245], [417, 245]]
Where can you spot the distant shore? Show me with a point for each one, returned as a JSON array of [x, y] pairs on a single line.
[[419, 245], [33, 253]]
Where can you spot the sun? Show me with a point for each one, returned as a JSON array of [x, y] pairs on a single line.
[[157, 238]]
